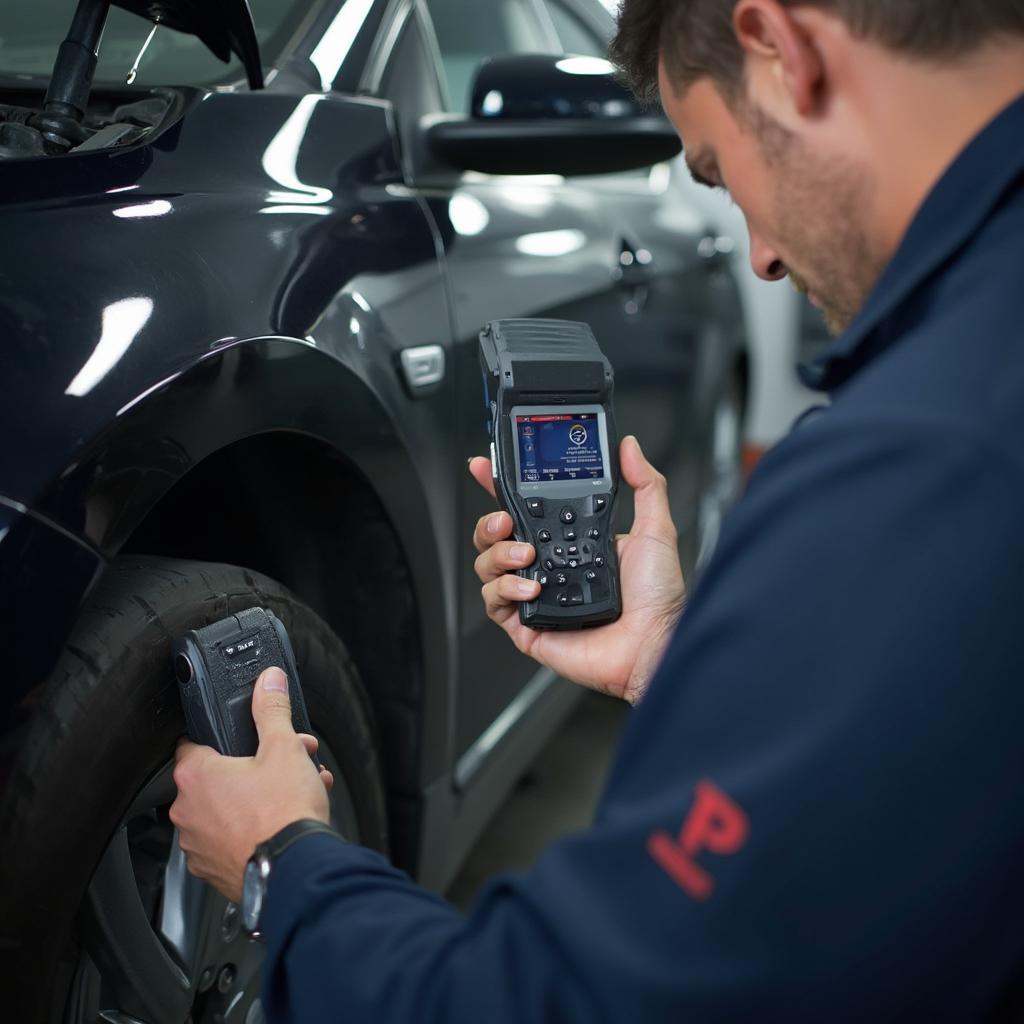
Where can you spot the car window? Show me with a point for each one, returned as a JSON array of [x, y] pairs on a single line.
[[469, 32], [31, 33], [574, 34]]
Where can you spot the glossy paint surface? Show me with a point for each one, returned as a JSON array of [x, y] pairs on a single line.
[[255, 271]]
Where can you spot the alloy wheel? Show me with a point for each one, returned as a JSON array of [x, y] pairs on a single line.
[[159, 946]]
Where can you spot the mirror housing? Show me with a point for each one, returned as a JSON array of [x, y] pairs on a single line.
[[551, 114]]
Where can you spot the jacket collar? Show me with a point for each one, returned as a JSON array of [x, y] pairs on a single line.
[[950, 216]]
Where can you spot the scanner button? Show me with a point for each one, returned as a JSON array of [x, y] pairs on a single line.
[[544, 536], [569, 534], [600, 503], [567, 515], [541, 578], [535, 507]]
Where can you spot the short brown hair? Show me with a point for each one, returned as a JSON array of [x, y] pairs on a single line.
[[697, 40]]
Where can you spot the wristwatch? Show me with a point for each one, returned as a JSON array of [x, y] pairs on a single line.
[[258, 868]]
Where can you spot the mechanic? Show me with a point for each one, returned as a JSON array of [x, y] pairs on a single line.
[[815, 813]]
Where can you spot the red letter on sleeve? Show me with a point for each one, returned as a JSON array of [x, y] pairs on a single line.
[[715, 823]]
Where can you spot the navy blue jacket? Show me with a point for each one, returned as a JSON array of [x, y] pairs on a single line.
[[817, 812]]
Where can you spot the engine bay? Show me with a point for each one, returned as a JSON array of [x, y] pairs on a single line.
[[70, 119], [109, 122]]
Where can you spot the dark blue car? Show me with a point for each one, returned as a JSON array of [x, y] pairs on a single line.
[[239, 305]]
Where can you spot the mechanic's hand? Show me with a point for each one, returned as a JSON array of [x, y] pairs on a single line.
[[617, 659], [227, 805]]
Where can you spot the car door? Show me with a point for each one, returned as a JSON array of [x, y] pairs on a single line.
[[514, 246]]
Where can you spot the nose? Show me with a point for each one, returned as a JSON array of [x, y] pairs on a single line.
[[765, 260]]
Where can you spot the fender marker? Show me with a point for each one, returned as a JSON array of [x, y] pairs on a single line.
[[715, 823]]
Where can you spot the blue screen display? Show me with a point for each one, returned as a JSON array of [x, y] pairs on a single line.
[[559, 447]]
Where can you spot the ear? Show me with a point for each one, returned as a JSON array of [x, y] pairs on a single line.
[[784, 63]]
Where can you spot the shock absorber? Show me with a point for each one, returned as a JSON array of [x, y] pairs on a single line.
[[67, 97]]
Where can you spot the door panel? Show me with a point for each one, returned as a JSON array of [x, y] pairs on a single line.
[[536, 249], [619, 252], [515, 246]]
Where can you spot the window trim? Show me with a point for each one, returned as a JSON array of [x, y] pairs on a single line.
[[536, 7], [585, 13], [392, 25]]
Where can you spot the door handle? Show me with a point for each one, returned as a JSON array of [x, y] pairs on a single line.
[[423, 368]]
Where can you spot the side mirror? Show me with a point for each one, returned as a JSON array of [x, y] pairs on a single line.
[[547, 114]]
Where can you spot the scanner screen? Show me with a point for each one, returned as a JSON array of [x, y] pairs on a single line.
[[562, 446]]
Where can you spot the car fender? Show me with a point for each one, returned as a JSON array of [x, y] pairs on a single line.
[[244, 389]]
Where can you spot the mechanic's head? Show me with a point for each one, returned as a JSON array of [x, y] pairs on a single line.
[[828, 121]]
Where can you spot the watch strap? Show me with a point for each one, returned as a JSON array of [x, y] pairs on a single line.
[[273, 847]]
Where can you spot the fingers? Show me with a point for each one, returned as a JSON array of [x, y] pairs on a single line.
[[312, 744], [271, 705], [651, 511], [490, 529], [501, 558], [505, 592], [480, 469]]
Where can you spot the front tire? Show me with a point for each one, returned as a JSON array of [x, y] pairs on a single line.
[[101, 920]]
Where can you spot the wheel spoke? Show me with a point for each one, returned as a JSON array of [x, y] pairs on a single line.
[[189, 911], [139, 974]]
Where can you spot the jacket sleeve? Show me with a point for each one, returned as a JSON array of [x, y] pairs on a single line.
[[814, 814]]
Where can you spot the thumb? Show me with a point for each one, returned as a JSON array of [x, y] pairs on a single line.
[[650, 500], [271, 705]]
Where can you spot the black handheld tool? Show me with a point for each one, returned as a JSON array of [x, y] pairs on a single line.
[[217, 667], [554, 459]]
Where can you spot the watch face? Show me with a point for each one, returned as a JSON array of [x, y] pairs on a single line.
[[253, 886]]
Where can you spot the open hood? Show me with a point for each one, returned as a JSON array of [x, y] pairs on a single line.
[[225, 26]]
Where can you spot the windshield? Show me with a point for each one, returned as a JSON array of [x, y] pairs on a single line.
[[31, 32]]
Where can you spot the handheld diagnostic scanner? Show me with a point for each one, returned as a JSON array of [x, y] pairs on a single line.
[[217, 666], [554, 459]]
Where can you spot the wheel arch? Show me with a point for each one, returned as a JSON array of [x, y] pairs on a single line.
[[223, 464], [313, 522]]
